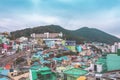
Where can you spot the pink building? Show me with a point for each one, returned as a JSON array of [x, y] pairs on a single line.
[[5, 46]]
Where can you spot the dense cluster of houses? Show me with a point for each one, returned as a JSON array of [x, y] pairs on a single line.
[[52, 58]]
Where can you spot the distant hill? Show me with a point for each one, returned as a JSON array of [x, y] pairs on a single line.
[[80, 35], [92, 34]]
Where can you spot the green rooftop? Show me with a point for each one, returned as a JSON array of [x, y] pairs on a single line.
[[1, 69], [76, 72], [38, 72], [37, 67], [110, 63], [101, 61], [113, 62]]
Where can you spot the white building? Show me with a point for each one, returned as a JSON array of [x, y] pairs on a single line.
[[21, 39], [47, 35], [115, 47]]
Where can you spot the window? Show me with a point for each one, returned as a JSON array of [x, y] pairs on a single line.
[[48, 76], [40, 77], [65, 77], [97, 78]]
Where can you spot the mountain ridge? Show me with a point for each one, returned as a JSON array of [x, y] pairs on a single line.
[[80, 35]]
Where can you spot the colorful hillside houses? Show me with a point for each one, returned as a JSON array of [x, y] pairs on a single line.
[[15, 46], [50, 39], [113, 62], [71, 45], [78, 48], [50, 43], [22, 39], [108, 63], [5, 46], [23, 46], [47, 35], [4, 74], [41, 73], [75, 74], [100, 65], [4, 39], [4, 43]]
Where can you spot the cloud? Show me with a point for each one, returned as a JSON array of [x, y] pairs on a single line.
[[28, 20], [101, 19], [39, 19], [104, 20], [71, 14], [11, 24]]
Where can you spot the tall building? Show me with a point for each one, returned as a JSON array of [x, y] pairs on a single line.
[[47, 35], [115, 47]]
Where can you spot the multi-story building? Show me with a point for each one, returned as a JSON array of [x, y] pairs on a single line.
[[47, 35]]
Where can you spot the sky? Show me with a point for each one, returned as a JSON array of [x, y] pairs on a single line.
[[70, 14]]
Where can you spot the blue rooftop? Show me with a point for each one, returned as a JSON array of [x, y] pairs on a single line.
[[4, 72], [4, 78]]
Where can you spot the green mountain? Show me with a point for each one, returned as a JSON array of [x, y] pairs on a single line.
[[92, 34], [80, 35]]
